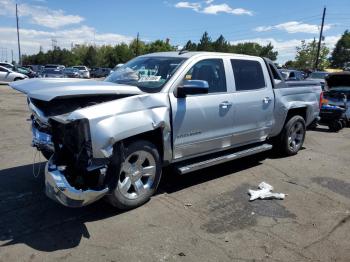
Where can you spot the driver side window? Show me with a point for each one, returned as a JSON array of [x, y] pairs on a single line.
[[212, 71]]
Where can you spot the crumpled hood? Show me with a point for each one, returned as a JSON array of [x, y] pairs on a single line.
[[48, 89]]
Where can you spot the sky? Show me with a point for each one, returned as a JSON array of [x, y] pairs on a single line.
[[70, 22]]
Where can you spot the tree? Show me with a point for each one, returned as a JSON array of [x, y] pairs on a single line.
[[221, 45], [159, 46], [190, 46], [341, 52], [90, 58], [306, 56], [289, 64], [205, 43], [267, 51]]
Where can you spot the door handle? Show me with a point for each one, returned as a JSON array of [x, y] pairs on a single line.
[[225, 104], [267, 100]]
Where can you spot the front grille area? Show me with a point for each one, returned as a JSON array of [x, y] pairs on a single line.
[[72, 143]]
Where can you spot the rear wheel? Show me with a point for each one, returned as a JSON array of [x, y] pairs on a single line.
[[138, 175], [17, 79], [292, 136], [335, 126]]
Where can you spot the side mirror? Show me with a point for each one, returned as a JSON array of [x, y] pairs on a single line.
[[192, 87]]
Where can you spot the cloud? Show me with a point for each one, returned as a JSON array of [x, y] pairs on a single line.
[[207, 7], [293, 27], [32, 40], [39, 15], [287, 48], [194, 6], [225, 8]]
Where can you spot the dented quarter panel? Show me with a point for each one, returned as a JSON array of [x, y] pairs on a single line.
[[114, 121], [292, 98]]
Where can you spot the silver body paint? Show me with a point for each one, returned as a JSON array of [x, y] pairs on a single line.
[[191, 126]]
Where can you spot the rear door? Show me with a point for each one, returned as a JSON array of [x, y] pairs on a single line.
[[203, 123], [253, 101]]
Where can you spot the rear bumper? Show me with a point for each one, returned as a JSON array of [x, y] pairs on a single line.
[[58, 188]]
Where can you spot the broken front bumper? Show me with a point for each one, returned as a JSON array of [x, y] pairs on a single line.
[[59, 189]]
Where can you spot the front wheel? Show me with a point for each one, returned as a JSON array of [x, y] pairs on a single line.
[[292, 136], [138, 175]]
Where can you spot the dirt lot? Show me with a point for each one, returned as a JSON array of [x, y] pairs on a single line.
[[204, 216]]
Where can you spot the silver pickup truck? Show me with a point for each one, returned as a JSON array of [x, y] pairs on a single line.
[[190, 110]]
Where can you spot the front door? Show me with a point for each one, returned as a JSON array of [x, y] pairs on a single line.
[[203, 123]]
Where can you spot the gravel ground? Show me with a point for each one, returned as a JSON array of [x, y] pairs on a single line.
[[204, 216]]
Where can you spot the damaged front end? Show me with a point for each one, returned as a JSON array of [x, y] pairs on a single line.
[[72, 176]]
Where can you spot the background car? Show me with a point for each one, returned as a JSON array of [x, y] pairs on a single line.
[[36, 68], [100, 72], [84, 70], [292, 75], [7, 65], [318, 76], [54, 66], [52, 72], [72, 72], [7, 75], [26, 71]]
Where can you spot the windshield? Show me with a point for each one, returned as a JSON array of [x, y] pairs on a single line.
[[147, 73], [52, 71], [318, 75], [70, 70], [80, 67]]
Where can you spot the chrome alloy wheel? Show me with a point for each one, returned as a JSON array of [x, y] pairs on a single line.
[[137, 174], [296, 136]]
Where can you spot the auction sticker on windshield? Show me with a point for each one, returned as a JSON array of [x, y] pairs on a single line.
[[149, 79]]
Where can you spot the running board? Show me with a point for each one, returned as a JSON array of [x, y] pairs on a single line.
[[222, 159]]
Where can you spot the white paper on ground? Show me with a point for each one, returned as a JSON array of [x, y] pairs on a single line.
[[264, 192]]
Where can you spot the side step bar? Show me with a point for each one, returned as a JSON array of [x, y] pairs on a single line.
[[222, 159]]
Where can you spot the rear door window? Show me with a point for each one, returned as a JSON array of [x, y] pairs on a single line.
[[248, 75]]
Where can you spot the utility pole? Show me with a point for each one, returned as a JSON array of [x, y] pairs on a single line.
[[320, 39], [137, 44], [11, 56], [19, 45]]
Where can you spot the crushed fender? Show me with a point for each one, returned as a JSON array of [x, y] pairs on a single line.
[[264, 192]]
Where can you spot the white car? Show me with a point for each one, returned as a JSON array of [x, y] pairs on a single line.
[[7, 75], [83, 70]]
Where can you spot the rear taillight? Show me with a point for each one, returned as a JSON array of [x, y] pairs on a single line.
[[323, 101]]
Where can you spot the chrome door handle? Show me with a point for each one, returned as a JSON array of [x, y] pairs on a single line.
[[267, 100], [225, 104]]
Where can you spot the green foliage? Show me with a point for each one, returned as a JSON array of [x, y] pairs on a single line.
[[341, 52], [306, 56], [109, 56]]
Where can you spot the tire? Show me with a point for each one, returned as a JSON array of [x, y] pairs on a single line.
[[313, 125], [335, 126], [292, 136], [138, 175], [17, 79], [46, 153]]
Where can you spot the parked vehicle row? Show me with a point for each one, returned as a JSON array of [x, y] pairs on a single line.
[[190, 110], [7, 75]]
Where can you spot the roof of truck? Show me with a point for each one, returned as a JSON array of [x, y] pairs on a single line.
[[188, 54]]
